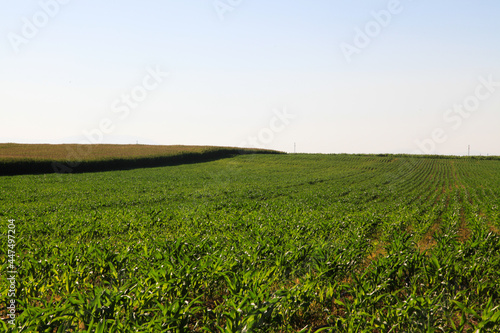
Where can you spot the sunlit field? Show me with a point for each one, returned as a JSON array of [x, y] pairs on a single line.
[[18, 159], [257, 243]]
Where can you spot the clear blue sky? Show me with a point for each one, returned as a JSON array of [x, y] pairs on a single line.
[[332, 76]]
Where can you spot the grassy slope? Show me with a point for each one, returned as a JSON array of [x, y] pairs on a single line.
[[273, 243], [70, 158]]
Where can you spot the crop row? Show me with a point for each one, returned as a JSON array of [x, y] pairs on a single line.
[[259, 243]]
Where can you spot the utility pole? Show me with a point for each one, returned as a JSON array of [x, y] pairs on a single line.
[[294, 147], [469, 150]]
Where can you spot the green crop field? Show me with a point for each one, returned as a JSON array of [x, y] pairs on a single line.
[[256, 243], [18, 159]]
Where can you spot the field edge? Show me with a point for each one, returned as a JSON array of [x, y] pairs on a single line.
[[21, 159]]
